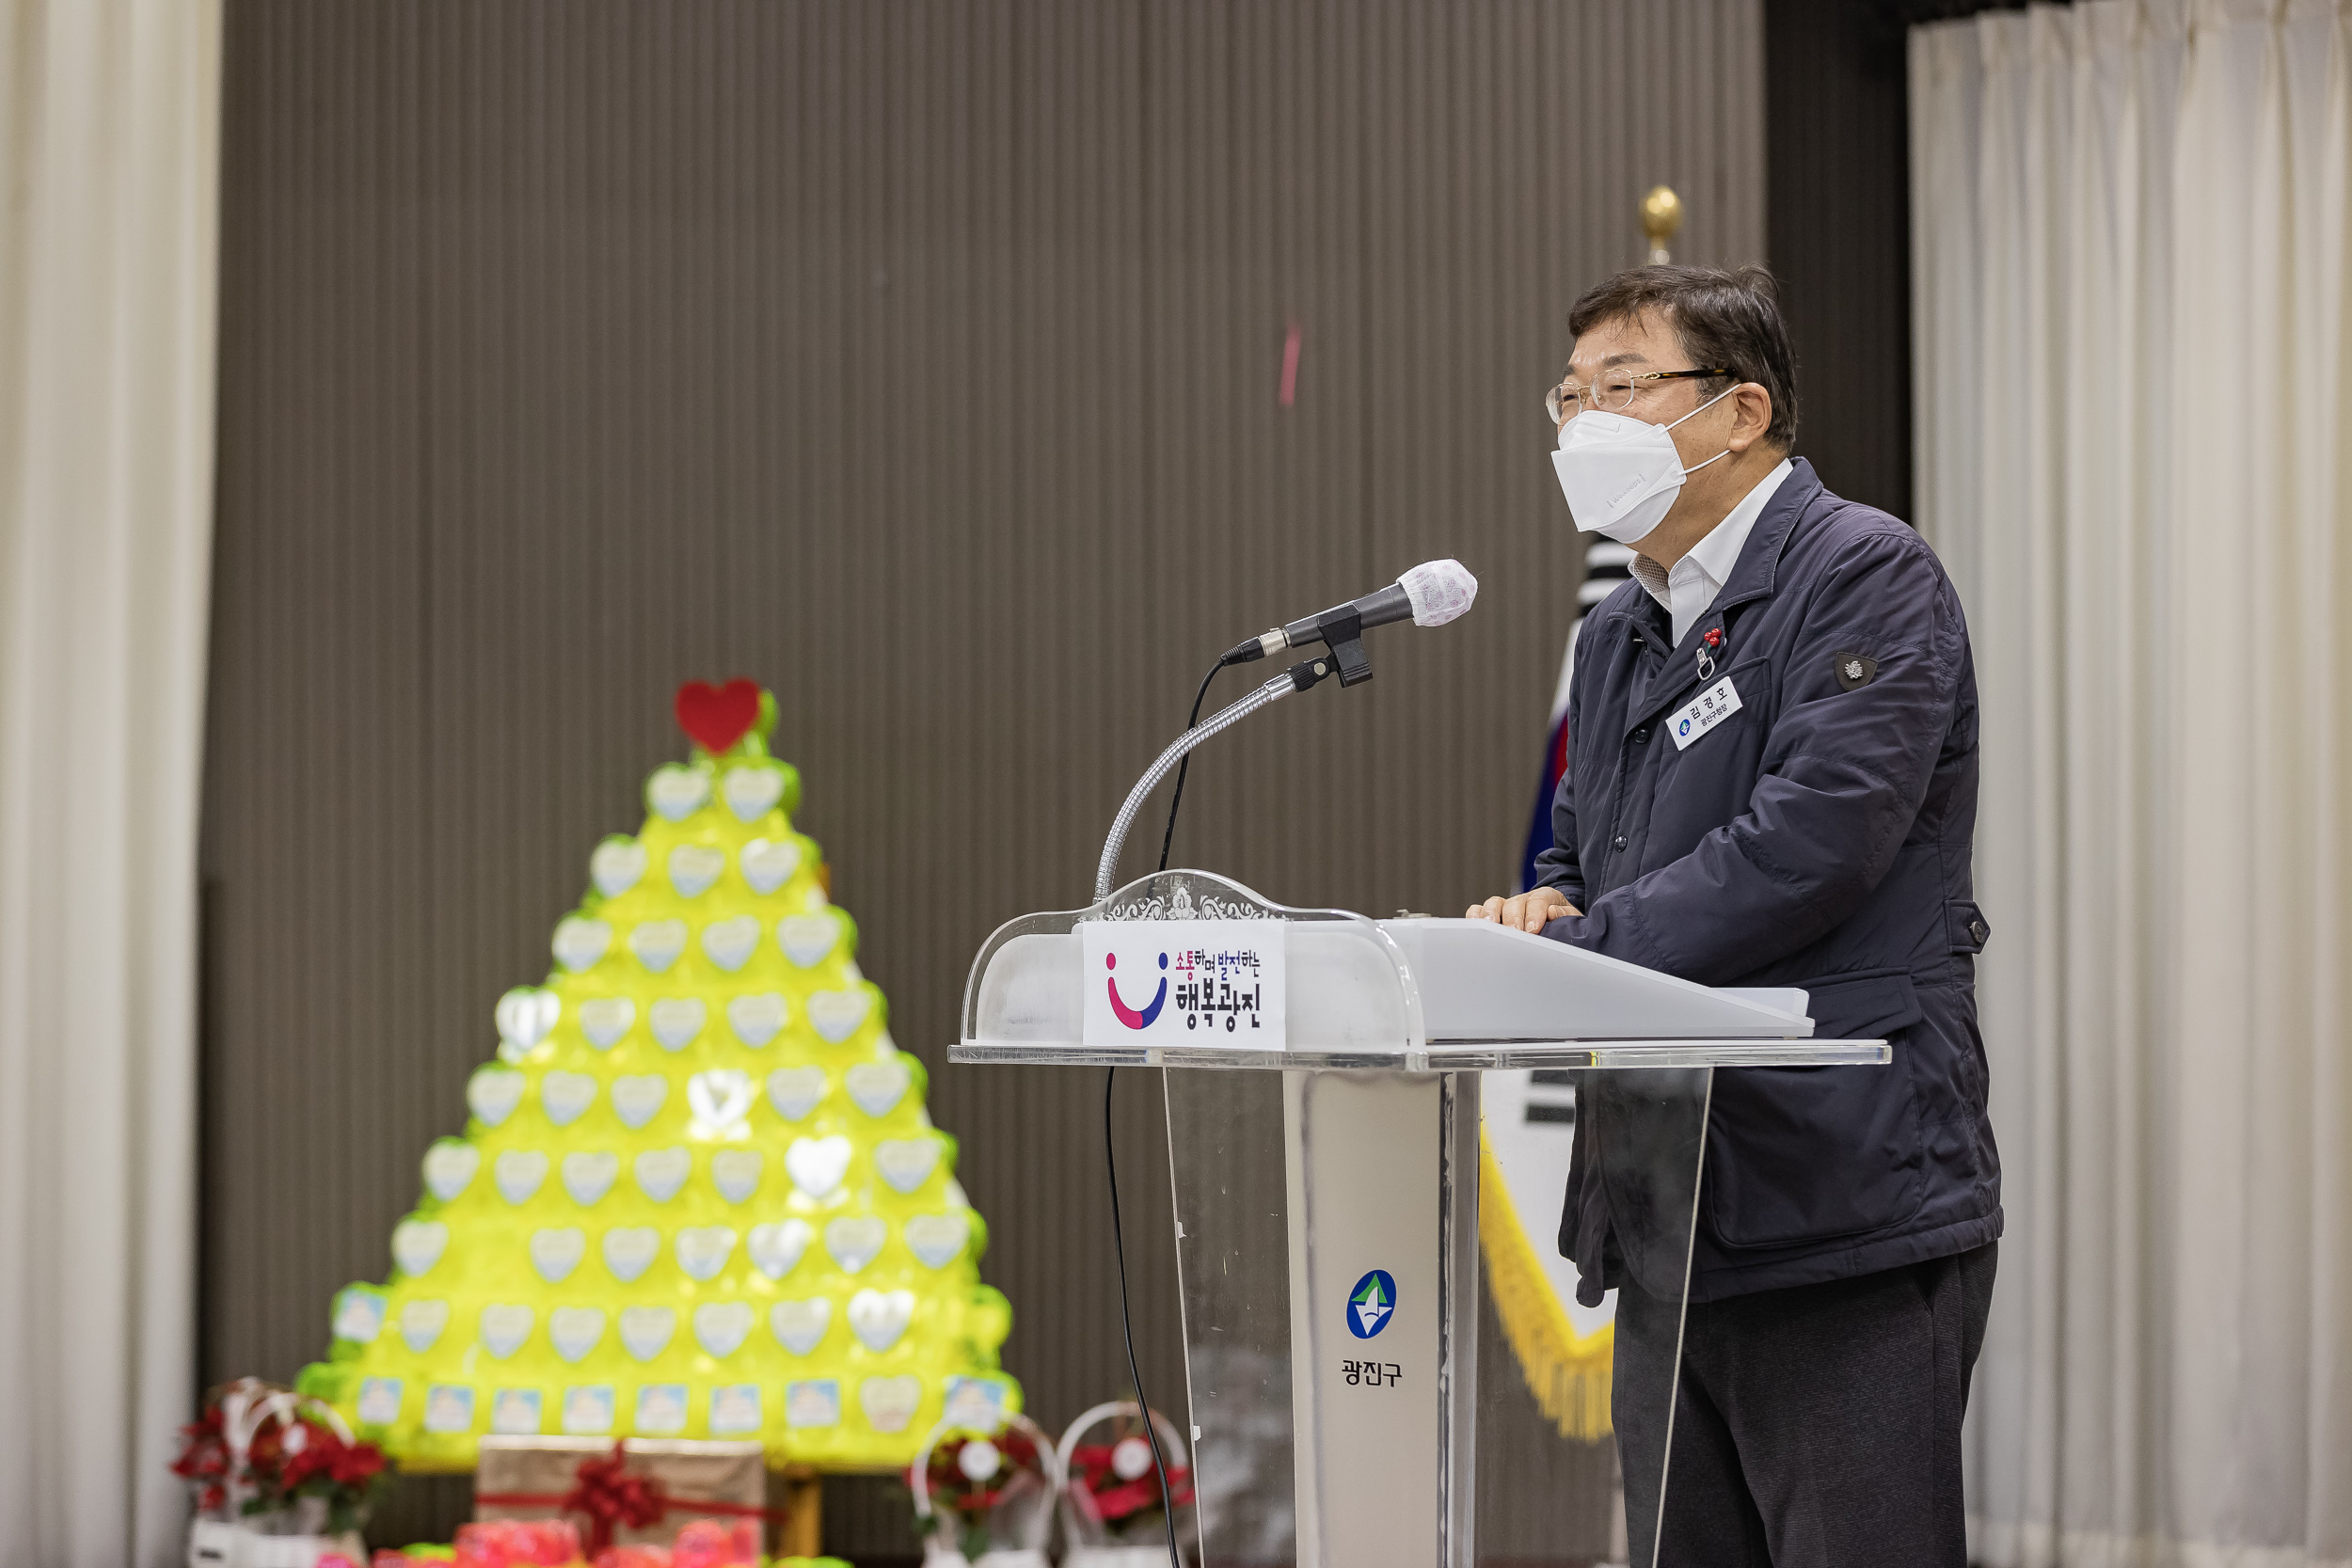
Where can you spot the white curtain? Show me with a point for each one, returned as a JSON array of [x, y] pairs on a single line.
[[2129, 223], [109, 117]]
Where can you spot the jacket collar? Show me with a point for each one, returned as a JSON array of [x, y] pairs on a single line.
[[1760, 562], [1758, 566], [1660, 679]]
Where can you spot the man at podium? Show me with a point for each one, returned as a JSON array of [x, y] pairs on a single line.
[[1771, 781]]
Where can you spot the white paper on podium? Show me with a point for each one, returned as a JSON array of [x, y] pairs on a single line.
[[1178, 982]]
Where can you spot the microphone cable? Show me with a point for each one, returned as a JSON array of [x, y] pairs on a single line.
[[1177, 799], [1110, 1166]]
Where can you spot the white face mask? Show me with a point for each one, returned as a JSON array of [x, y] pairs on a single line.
[[1621, 474]]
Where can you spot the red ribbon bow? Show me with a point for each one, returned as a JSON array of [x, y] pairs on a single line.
[[611, 1496]]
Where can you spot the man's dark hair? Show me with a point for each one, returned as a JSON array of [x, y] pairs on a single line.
[[1724, 318]]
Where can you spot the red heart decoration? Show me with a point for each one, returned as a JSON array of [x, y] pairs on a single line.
[[718, 715]]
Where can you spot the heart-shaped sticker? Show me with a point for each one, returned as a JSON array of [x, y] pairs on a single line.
[[554, 1254], [890, 1403], [855, 1241], [938, 1240], [880, 1318], [876, 1087], [493, 1092], [755, 1019], [717, 716], [776, 1248], [527, 1015], [505, 1325], [677, 1019], [736, 1173], [661, 1172], [421, 1323], [418, 1245], [449, 1168], [807, 938], [694, 867], [645, 1331], [721, 1326], [358, 1314], [720, 1099], [752, 791], [565, 1096], [605, 1020], [816, 1166], [838, 1014], [575, 1330], [799, 1325], [674, 793], [589, 1174], [795, 1091], [637, 1099], [769, 864], [580, 941], [730, 944], [702, 1250], [657, 944], [617, 865], [631, 1251], [519, 1173], [906, 1163]]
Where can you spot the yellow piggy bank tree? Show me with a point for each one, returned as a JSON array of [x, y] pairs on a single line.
[[698, 1193]]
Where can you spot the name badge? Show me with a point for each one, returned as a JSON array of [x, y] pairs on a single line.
[[1716, 703]]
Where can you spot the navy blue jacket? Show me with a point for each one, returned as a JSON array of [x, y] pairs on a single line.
[[1818, 837]]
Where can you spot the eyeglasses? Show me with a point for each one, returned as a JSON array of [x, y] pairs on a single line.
[[1611, 391]]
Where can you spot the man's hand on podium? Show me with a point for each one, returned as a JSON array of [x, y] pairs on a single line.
[[1528, 911]]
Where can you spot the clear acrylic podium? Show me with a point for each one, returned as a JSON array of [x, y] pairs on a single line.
[[1327, 1190]]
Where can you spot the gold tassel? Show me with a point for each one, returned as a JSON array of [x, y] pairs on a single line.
[[1567, 1373]]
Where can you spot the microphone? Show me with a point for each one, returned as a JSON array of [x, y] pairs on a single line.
[[1431, 593]]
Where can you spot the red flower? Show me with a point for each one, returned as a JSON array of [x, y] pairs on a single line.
[[1111, 1499]]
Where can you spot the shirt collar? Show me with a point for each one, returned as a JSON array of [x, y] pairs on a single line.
[[1719, 552]]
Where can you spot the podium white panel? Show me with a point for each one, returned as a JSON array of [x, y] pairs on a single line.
[[1326, 1194]]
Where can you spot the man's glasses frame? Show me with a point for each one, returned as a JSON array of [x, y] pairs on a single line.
[[1614, 391]]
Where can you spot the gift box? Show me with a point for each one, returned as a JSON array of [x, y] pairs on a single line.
[[635, 1492]]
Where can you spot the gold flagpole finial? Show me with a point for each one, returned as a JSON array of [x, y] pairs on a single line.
[[1661, 218]]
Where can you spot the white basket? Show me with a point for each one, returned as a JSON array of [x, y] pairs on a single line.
[[1080, 1553], [937, 1554], [221, 1544]]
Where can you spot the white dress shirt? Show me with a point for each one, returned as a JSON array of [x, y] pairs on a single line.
[[1690, 589]]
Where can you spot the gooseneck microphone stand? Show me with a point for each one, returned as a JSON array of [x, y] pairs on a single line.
[[1298, 677]]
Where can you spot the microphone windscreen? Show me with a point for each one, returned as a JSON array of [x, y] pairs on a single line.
[[1439, 591]]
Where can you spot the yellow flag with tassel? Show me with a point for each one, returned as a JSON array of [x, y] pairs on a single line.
[[1563, 1349]]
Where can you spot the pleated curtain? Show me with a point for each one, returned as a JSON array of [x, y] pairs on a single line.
[[109, 139], [2129, 224]]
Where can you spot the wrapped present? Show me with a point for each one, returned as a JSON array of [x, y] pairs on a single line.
[[641, 1491]]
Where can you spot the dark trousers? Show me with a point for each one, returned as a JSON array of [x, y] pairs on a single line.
[[1815, 1427]]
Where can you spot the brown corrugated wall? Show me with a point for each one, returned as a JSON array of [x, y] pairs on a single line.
[[921, 361]]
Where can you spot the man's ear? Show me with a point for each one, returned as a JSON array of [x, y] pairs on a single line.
[[1752, 415]]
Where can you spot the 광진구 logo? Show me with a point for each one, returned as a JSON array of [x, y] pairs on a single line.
[[1371, 1303]]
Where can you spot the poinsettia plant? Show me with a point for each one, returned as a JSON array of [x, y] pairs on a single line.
[[288, 1455], [968, 1476], [1117, 1483]]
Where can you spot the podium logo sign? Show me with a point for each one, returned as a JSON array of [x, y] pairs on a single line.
[[1185, 982], [1371, 1303]]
